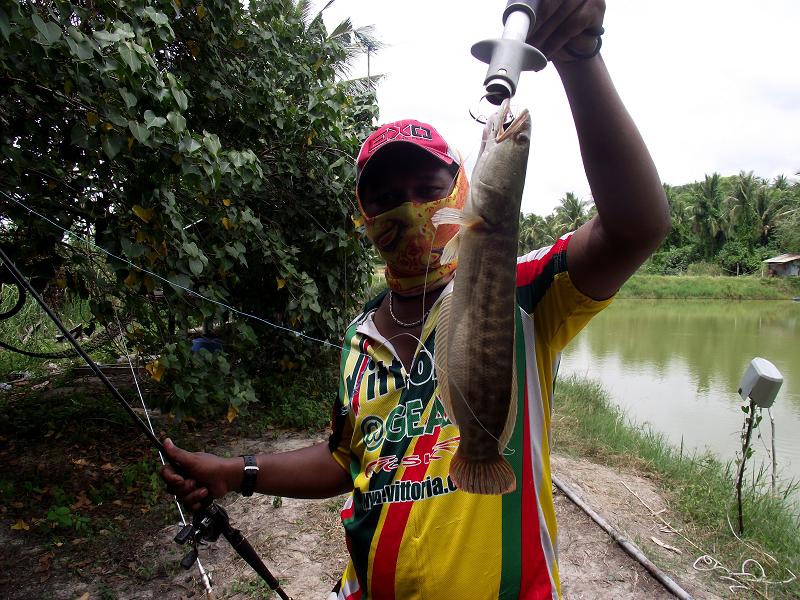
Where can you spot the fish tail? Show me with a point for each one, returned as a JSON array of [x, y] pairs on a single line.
[[493, 476]]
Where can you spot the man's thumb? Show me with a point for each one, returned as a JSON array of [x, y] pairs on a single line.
[[174, 453]]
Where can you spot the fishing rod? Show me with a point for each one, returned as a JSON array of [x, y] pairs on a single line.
[[211, 520]]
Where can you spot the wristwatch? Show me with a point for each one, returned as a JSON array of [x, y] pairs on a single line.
[[250, 475]]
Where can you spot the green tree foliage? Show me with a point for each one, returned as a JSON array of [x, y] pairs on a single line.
[[788, 231], [728, 223], [534, 232], [204, 141], [571, 213], [710, 222]]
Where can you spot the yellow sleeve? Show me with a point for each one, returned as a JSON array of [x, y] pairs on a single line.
[[563, 311]]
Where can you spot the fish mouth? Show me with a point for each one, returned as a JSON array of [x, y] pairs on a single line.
[[519, 122]]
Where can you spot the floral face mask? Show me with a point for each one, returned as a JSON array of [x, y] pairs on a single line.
[[411, 246]]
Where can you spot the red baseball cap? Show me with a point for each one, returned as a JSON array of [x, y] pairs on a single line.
[[409, 131]]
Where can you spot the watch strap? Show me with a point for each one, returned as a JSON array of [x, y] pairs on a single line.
[[250, 475]]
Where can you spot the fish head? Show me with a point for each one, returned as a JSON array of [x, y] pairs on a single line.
[[499, 174]]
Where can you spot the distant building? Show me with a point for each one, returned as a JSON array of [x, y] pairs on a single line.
[[785, 264]]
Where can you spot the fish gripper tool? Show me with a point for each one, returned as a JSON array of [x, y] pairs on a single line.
[[511, 54]]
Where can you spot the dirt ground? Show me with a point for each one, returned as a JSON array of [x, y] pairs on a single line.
[[302, 544]]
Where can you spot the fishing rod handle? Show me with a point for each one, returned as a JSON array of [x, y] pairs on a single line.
[[243, 548]]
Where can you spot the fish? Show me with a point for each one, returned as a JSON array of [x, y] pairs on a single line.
[[474, 344]]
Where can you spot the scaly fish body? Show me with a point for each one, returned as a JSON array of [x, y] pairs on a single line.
[[475, 333]]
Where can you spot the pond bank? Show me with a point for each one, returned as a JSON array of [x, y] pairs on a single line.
[[703, 286], [698, 488]]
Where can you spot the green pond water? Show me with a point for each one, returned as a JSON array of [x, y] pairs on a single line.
[[676, 365]]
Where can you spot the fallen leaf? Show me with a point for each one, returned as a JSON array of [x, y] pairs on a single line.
[[107, 467], [81, 502], [20, 526], [232, 412], [81, 462], [80, 565], [45, 562]]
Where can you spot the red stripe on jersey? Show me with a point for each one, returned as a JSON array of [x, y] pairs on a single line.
[[528, 271], [534, 579], [348, 510], [384, 565]]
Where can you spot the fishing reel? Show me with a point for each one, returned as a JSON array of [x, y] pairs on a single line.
[[207, 525]]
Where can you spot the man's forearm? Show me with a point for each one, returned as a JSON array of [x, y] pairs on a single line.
[[632, 212], [624, 181], [306, 473]]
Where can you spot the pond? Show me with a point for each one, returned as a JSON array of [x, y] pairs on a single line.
[[676, 365]]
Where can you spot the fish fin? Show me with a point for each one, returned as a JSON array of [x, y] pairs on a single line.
[[493, 476], [511, 419], [440, 352], [450, 251], [455, 216]]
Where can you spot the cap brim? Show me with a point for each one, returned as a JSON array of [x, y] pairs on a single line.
[[446, 159]]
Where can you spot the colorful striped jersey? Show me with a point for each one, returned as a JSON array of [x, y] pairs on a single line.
[[410, 533]]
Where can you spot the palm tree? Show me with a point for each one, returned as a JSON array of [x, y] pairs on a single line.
[[680, 232], [708, 215], [354, 40], [769, 207], [534, 233], [742, 205], [571, 213], [781, 183]]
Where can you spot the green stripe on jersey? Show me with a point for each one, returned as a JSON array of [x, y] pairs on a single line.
[[512, 503]]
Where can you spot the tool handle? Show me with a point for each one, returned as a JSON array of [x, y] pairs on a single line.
[[529, 6]]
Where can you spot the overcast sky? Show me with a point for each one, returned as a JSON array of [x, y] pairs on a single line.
[[713, 85]]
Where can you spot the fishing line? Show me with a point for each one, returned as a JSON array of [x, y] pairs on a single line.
[[300, 334], [91, 244], [510, 451], [242, 313], [203, 574]]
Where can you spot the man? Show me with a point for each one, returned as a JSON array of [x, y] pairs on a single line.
[[410, 533]]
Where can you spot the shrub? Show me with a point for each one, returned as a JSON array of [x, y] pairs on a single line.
[[704, 268], [674, 261]]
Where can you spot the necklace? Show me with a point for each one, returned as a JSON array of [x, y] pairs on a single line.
[[403, 323]]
